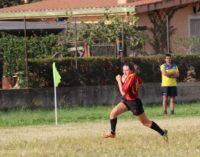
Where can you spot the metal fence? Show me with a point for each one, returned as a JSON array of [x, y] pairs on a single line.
[[103, 50]]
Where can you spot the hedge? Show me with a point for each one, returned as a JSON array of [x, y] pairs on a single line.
[[102, 71], [1, 70]]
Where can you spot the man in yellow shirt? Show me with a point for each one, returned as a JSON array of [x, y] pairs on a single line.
[[170, 73]]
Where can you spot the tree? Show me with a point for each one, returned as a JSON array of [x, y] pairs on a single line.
[[108, 29], [187, 45], [159, 19]]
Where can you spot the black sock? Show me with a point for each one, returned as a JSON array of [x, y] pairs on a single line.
[[113, 123], [155, 127]]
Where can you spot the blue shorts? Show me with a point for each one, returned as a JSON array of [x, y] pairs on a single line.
[[169, 91]]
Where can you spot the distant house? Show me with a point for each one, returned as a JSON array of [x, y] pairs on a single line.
[[165, 19]]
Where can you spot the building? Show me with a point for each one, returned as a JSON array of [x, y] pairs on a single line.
[[173, 18]]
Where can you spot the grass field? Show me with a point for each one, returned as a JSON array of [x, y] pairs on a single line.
[[26, 132], [22, 117], [84, 140]]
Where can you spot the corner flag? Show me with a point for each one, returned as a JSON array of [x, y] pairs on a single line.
[[56, 75], [56, 81]]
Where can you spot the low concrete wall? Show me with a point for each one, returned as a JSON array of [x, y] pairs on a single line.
[[89, 95], [187, 92]]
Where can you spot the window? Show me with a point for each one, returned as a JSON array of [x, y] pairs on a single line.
[[194, 32], [195, 27]]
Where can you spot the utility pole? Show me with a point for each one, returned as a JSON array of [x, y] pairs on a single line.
[[25, 52], [167, 31]]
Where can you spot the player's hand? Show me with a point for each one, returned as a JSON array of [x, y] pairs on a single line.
[[118, 78], [170, 75], [173, 75]]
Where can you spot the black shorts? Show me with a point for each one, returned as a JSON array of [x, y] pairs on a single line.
[[169, 91], [135, 106]]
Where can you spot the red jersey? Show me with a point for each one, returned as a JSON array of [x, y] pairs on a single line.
[[131, 86]]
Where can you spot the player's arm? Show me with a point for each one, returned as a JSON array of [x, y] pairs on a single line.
[[175, 74], [140, 81], [141, 86], [127, 85], [164, 72], [123, 78], [119, 82]]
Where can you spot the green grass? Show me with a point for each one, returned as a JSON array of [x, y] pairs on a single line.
[[23, 117], [84, 140]]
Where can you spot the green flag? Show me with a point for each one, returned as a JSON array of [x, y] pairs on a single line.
[[56, 75]]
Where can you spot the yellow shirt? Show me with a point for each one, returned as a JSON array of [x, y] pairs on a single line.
[[167, 81]]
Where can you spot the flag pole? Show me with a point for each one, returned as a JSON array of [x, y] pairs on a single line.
[[55, 104], [56, 80]]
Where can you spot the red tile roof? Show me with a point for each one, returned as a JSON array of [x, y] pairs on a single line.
[[47, 5]]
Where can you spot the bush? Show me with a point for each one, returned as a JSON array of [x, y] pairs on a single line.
[[90, 71], [102, 71], [1, 70]]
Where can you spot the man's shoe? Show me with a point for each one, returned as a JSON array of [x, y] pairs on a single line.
[[172, 113], [165, 113], [165, 135], [108, 136]]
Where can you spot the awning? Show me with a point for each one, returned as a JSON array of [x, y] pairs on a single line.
[[65, 13]]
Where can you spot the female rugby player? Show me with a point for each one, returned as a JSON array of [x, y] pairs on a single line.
[[130, 101]]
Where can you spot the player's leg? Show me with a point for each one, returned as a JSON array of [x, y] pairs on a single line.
[[138, 110], [151, 124], [172, 94], [172, 105], [164, 104], [117, 110], [146, 122]]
